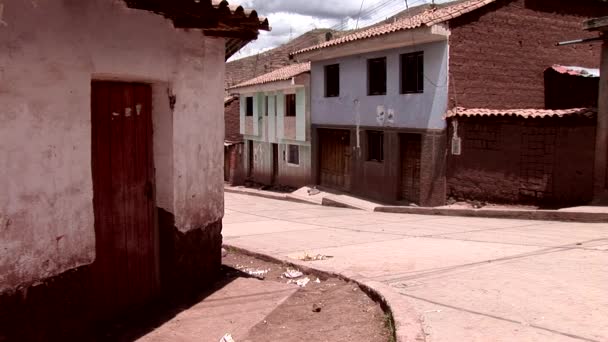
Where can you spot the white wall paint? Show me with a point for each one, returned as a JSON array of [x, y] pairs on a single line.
[[49, 52], [411, 110]]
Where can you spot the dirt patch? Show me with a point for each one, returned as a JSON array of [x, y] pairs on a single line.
[[328, 310]]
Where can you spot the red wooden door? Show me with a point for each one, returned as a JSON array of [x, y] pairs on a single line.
[[125, 270], [334, 155]]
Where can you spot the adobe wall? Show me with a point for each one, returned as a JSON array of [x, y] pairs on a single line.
[[546, 161], [498, 54]]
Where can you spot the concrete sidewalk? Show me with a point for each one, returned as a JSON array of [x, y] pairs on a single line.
[[468, 279]]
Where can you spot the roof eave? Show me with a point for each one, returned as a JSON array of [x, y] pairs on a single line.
[[393, 40], [267, 87]]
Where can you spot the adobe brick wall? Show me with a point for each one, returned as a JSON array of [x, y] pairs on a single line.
[[498, 54], [232, 112], [514, 160]]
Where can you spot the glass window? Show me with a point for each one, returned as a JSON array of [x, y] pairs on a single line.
[[412, 73], [376, 76], [293, 154], [332, 80]]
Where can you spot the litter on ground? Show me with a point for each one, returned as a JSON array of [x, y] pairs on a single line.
[[227, 338], [302, 282], [308, 257], [292, 274]]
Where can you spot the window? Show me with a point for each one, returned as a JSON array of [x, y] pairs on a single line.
[[375, 146], [412, 73], [293, 154], [290, 105], [332, 80], [249, 106], [376, 76], [266, 105]]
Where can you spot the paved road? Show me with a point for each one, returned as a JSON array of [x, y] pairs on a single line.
[[469, 279]]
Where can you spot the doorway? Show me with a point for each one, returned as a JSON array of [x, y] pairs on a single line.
[[410, 147], [125, 271], [275, 163], [334, 158]]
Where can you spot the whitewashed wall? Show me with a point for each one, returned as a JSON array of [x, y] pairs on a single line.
[[50, 50]]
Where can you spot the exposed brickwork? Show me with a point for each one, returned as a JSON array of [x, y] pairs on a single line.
[[232, 112], [498, 54], [546, 161]]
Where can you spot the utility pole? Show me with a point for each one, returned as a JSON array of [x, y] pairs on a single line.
[[600, 174]]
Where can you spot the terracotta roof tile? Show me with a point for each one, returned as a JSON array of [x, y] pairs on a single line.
[[427, 18], [524, 113], [281, 74]]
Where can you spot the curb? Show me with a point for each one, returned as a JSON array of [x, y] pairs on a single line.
[[516, 214], [406, 324], [328, 202], [268, 194], [540, 215]]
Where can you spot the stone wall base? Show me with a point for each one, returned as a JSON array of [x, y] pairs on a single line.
[[188, 261]]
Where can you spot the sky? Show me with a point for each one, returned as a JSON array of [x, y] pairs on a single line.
[[291, 18]]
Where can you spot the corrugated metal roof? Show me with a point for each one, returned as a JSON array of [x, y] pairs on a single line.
[[428, 18], [524, 113], [281, 74], [576, 70]]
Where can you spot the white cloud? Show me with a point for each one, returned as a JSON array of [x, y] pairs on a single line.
[[291, 18]]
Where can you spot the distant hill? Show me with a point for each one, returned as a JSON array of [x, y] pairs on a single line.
[[249, 67]]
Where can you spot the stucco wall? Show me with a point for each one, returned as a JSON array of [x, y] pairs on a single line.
[[410, 110], [294, 175], [49, 53]]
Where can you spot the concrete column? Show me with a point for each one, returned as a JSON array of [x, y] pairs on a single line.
[[601, 141]]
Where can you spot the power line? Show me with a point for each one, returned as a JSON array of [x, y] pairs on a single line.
[[359, 16]]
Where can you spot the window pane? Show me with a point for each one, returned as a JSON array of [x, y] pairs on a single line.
[[332, 80], [376, 73], [293, 154], [412, 73], [249, 106], [290, 105]]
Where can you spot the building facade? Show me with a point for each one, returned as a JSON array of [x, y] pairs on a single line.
[[111, 156], [275, 123], [385, 123]]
